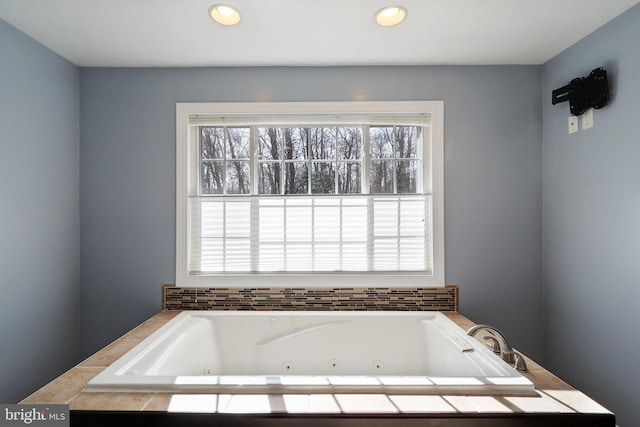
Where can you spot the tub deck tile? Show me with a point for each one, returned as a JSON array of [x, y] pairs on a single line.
[[311, 404], [540, 404], [111, 401], [421, 404], [159, 402], [110, 353], [365, 403], [64, 388], [190, 403], [576, 400]]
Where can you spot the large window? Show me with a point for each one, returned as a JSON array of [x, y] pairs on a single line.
[[306, 194]]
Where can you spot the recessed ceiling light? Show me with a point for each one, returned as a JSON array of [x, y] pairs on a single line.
[[391, 15], [224, 14]]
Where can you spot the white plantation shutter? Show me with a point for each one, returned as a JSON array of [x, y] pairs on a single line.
[[309, 234]]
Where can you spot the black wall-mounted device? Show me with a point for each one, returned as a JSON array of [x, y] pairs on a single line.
[[584, 92]]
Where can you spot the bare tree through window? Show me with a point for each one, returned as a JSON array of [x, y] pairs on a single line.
[[394, 159], [224, 154], [212, 163], [270, 155], [310, 160]]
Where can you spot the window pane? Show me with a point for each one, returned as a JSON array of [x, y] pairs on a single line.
[[212, 177], [238, 177], [385, 254], [323, 178], [412, 253], [269, 177], [322, 142], [271, 224], [349, 177], [412, 217], [237, 219], [354, 257], [406, 138], [327, 257], [213, 212], [385, 218], [349, 143], [212, 143], [354, 220], [299, 223], [237, 255], [381, 142], [381, 176], [407, 175], [296, 174], [270, 143], [326, 224], [299, 257], [296, 144], [238, 143], [272, 257]]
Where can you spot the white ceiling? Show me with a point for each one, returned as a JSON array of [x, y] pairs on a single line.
[[141, 33]]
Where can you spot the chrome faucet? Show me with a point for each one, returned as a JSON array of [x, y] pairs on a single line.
[[500, 345]]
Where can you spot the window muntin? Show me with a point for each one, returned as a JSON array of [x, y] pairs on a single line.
[[289, 228]]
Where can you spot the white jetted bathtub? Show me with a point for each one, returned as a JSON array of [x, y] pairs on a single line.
[[311, 352]]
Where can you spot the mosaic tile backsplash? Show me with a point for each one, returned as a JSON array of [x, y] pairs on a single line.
[[400, 299]]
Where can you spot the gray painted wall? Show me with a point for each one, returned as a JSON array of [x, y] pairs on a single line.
[[39, 217], [591, 201], [492, 179]]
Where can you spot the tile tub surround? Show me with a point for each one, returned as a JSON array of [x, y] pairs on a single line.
[[301, 298], [556, 402]]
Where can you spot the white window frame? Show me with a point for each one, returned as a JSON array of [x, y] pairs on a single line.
[[187, 165]]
